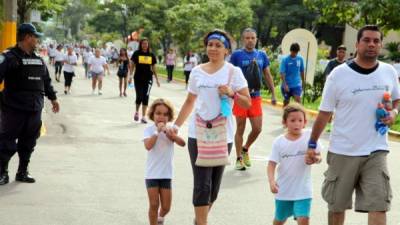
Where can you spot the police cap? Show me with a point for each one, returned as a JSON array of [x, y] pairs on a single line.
[[28, 28]]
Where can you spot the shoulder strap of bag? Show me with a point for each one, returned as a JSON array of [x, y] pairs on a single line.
[[230, 75]]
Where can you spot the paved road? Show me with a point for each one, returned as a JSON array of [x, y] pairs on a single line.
[[90, 164]]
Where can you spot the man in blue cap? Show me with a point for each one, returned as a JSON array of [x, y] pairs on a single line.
[[27, 81]]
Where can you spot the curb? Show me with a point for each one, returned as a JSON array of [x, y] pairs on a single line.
[[393, 135]]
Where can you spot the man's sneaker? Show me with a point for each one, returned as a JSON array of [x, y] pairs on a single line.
[[100, 93], [246, 159], [136, 116], [143, 121], [160, 221], [239, 165]]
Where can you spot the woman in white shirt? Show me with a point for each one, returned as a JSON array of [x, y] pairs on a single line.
[[207, 83], [59, 60], [190, 61], [70, 60], [97, 65]]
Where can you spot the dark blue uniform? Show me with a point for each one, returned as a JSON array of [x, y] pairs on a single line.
[[27, 81]]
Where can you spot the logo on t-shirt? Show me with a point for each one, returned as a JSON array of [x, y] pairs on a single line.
[[145, 60]]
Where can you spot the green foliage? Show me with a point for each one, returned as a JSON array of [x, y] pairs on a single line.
[[313, 93], [394, 50], [47, 8], [273, 19], [384, 13], [1, 14]]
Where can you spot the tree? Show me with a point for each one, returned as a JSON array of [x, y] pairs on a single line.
[[383, 13], [273, 19], [189, 22], [48, 8]]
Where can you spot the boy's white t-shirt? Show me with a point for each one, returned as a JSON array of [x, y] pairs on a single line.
[[69, 59], [354, 98], [293, 174], [208, 101], [159, 164], [96, 64]]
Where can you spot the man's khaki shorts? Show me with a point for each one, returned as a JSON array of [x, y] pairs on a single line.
[[367, 175]]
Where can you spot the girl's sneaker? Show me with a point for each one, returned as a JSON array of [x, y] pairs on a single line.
[[160, 221]]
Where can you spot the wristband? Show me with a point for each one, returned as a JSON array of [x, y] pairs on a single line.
[[312, 144]]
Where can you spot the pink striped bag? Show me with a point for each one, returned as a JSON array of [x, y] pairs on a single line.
[[212, 144]]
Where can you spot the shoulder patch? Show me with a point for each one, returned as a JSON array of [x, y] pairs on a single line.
[[2, 58]]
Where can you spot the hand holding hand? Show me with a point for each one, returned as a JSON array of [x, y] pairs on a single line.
[[312, 157]]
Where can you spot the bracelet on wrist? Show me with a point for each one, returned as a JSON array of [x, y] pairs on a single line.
[[312, 144]]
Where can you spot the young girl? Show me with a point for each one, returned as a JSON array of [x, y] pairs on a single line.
[[159, 142], [293, 187]]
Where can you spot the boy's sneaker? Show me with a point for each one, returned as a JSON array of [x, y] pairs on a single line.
[[239, 165], [246, 159]]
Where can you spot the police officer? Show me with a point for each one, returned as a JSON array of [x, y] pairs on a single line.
[[27, 81]]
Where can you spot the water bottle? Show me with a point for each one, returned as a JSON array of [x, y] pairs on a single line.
[[225, 106], [131, 85]]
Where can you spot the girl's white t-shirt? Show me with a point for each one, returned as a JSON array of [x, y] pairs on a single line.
[[189, 64], [293, 174], [354, 98], [59, 56], [159, 164], [96, 64], [68, 60], [208, 101]]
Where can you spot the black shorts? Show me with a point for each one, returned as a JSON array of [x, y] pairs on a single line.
[[158, 183]]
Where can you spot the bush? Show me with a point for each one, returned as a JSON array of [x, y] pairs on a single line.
[[393, 48], [313, 93]]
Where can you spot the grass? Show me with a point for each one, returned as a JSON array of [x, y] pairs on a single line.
[[178, 73]]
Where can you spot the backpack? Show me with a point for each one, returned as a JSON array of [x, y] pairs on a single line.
[[252, 75]]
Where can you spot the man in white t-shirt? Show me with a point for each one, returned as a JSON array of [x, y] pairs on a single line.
[[357, 152]]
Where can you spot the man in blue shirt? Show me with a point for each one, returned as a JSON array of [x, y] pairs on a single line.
[[292, 74], [243, 58]]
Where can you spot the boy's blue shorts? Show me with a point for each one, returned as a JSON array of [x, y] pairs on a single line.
[[297, 208], [293, 91]]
